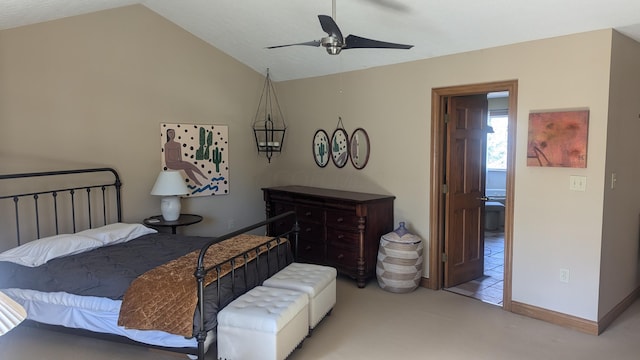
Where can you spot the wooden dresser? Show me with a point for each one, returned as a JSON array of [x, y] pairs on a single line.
[[337, 228]]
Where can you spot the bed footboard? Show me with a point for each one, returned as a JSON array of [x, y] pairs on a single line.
[[201, 271]]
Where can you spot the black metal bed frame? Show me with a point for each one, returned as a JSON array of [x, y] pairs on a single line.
[[200, 270], [116, 184]]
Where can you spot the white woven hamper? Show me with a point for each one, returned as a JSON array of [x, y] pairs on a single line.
[[263, 324], [399, 265]]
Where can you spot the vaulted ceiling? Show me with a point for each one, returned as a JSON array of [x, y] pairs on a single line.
[[244, 28]]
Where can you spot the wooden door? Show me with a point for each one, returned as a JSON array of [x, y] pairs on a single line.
[[465, 179]]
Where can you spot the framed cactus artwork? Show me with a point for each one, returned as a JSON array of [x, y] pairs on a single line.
[[340, 147], [200, 153], [321, 148]]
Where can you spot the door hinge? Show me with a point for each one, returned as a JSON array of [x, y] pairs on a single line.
[[445, 188], [444, 257], [446, 118]]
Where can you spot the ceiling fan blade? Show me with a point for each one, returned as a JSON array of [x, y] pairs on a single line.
[[357, 42], [315, 43], [330, 27]]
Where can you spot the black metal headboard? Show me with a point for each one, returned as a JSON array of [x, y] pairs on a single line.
[[61, 200]]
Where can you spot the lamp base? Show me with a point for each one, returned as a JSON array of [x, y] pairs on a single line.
[[170, 207]]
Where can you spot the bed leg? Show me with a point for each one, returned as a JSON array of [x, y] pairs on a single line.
[[201, 336]]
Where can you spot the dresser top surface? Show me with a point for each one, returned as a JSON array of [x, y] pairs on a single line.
[[329, 193]]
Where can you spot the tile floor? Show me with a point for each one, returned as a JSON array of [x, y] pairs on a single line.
[[487, 288]]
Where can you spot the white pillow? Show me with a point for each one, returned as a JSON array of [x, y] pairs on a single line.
[[38, 252], [117, 233]]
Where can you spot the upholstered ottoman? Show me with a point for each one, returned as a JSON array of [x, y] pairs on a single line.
[[264, 323], [494, 215], [319, 282]]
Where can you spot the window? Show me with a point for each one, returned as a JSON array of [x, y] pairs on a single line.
[[497, 141]]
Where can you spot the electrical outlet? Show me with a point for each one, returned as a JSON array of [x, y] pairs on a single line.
[[564, 275]]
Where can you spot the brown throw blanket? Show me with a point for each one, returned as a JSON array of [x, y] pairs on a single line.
[[165, 298]]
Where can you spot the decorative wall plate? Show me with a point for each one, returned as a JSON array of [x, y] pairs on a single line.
[[321, 148], [340, 147], [359, 148]]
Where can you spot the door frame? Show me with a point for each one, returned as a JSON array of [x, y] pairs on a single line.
[[437, 204]]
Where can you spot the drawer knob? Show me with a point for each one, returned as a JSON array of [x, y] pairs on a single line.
[[340, 256], [340, 236], [307, 214], [308, 247], [340, 219], [307, 230]]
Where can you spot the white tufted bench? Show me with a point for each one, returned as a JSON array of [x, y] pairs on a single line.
[[264, 323], [319, 282]]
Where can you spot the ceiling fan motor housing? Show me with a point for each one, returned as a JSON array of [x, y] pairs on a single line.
[[332, 45]]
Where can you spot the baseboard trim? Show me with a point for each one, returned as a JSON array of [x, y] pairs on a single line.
[[568, 321], [426, 283], [554, 317], [617, 310], [576, 323]]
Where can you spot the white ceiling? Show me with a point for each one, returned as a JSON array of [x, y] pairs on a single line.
[[244, 28]]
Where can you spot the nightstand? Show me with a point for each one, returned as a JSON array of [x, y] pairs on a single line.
[[183, 220]]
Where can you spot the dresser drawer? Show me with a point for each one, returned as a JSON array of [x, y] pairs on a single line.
[[310, 214], [311, 232], [281, 227], [342, 219], [311, 251], [343, 239], [343, 258], [281, 208]]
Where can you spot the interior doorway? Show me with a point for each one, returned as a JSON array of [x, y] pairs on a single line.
[[487, 284], [452, 239]]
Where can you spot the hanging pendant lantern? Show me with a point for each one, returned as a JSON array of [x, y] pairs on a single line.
[[269, 125]]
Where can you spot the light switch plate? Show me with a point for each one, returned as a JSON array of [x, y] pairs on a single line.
[[577, 183]]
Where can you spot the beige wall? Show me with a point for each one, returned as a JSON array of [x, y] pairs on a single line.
[[93, 89], [554, 228], [619, 274]]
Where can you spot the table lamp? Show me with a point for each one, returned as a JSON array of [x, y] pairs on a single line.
[[11, 313], [170, 185]]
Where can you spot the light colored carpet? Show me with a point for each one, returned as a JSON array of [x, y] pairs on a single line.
[[370, 323]]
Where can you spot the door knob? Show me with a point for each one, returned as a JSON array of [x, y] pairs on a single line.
[[484, 198]]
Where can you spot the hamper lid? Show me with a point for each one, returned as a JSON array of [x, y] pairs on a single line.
[[402, 235]]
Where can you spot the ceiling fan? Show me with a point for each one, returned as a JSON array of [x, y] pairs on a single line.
[[334, 43]]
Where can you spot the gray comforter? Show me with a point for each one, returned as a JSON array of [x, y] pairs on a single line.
[[108, 271]]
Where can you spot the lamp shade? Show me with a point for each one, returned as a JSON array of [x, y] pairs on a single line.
[[11, 313], [169, 183]]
